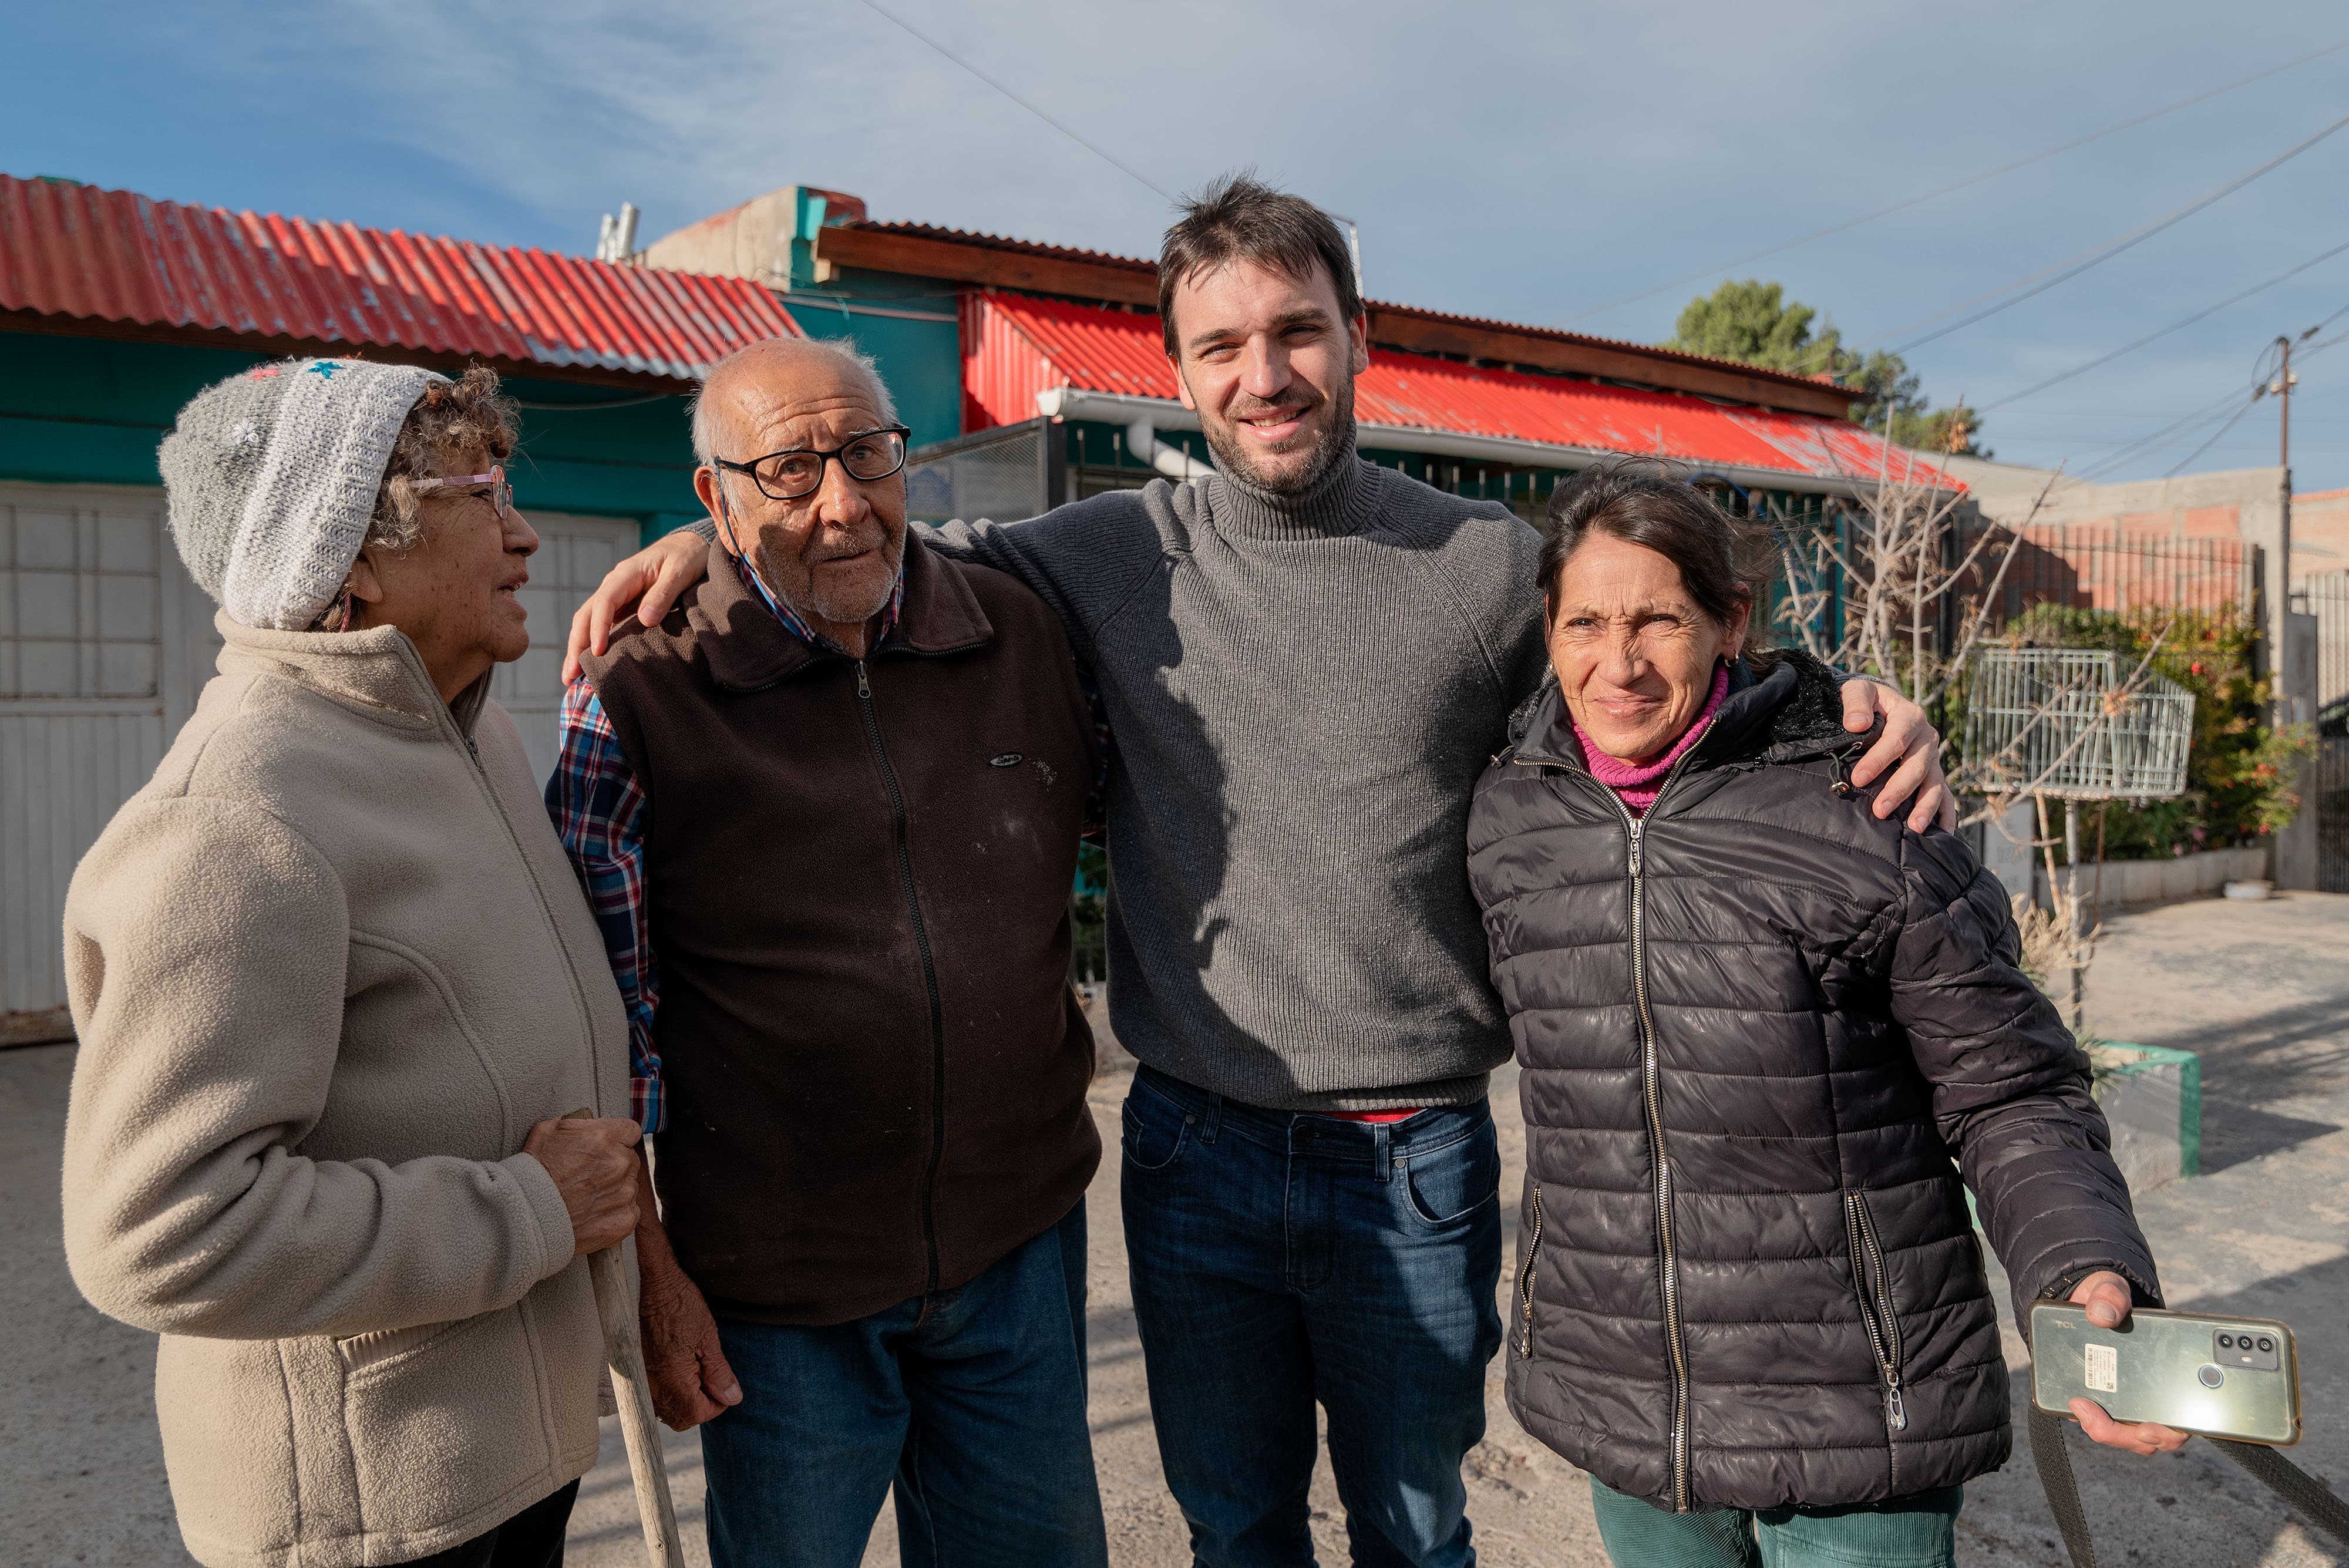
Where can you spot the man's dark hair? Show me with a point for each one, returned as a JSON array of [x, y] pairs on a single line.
[[1240, 218], [1643, 501]]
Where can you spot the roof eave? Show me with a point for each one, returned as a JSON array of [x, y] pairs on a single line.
[[1167, 413], [989, 261], [54, 324]]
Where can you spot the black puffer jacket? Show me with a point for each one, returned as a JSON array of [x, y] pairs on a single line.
[[1755, 1027]]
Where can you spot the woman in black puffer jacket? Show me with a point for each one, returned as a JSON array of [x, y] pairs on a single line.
[[1756, 1025]]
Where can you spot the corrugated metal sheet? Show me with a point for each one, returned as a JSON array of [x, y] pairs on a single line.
[[1481, 323], [112, 256], [1016, 346]]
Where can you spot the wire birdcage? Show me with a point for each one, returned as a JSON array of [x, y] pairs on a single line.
[[2071, 723]]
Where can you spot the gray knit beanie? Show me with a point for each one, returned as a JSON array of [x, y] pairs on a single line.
[[273, 474]]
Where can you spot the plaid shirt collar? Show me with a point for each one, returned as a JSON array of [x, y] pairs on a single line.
[[798, 627]]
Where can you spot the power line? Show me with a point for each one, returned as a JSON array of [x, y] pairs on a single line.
[[2087, 366], [2208, 411], [1122, 167], [2206, 445], [2064, 271], [2123, 451], [2130, 240], [1960, 185]]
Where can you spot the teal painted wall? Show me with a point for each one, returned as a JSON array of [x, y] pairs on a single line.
[[90, 411], [921, 360]]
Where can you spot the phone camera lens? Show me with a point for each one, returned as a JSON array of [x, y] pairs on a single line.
[[2226, 1341], [2266, 1344]]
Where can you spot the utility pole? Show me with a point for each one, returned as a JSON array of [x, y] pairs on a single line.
[[2282, 387]]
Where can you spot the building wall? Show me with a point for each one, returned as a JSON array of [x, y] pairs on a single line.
[[916, 343], [2253, 504], [92, 410], [2319, 532], [906, 324]]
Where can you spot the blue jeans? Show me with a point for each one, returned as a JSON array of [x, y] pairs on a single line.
[[1918, 1530], [1279, 1260], [972, 1401]]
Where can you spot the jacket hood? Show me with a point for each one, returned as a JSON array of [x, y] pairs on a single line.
[[1784, 706]]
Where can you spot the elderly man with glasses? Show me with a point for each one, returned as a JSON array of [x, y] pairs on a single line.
[[827, 813]]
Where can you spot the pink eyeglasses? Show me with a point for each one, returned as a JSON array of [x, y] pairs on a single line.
[[501, 493]]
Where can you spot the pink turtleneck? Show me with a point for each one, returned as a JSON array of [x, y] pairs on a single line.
[[1637, 787]]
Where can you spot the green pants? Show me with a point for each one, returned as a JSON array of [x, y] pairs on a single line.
[[1918, 1530]]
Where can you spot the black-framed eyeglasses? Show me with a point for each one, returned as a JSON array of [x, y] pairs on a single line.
[[798, 472]]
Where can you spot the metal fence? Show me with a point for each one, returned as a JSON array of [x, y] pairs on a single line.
[[2326, 596], [2328, 793], [2105, 570], [1005, 474], [2087, 568]]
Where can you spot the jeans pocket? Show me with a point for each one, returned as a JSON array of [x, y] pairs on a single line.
[[1157, 1131], [1446, 1185]]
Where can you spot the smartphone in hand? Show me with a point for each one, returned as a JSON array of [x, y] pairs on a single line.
[[2222, 1376]]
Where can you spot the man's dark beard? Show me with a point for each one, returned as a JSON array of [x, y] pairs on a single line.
[[1337, 436]]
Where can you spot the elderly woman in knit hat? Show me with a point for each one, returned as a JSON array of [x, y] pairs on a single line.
[[336, 990]]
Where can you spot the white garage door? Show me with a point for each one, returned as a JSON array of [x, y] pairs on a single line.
[[105, 642], [573, 554]]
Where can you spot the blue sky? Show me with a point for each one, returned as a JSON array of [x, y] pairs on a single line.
[[1527, 161]]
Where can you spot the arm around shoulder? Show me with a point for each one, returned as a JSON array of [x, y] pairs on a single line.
[[206, 948], [1084, 559]]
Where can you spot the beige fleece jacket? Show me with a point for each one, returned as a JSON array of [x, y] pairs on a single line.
[[327, 969]]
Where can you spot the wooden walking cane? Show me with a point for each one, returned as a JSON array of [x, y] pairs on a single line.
[[624, 1352]]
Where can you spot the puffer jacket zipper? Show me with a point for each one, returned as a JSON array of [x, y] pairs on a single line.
[[929, 978], [1526, 1279], [1652, 1098], [1876, 1311]]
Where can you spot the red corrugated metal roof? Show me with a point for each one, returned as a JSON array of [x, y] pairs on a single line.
[[112, 256], [1137, 264], [1017, 347]]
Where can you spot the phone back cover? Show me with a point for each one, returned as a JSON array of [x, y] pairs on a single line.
[[2148, 1371]]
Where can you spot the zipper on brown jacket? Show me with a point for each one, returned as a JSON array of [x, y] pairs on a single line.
[[929, 978]]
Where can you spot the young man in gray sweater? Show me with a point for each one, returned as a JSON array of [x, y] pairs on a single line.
[[1304, 661]]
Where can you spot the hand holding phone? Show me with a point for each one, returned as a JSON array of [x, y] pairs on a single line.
[[2107, 1301], [2154, 1377]]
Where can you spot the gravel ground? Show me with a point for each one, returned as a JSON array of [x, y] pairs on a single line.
[[2260, 989]]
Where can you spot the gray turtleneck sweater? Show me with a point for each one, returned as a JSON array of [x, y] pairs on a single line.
[[1303, 691]]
